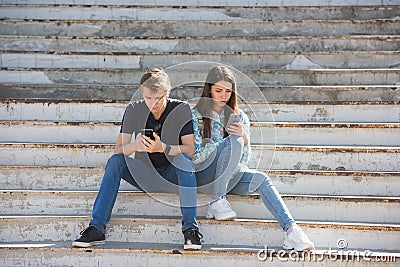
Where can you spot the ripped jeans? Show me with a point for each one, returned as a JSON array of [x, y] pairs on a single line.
[[218, 173]]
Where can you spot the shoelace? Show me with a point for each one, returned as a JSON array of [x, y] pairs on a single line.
[[196, 233], [223, 204], [298, 235], [85, 230]]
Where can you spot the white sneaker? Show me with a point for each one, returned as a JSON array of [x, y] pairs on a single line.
[[297, 240], [220, 209]]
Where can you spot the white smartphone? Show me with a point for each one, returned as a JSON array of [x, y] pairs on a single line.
[[233, 118]]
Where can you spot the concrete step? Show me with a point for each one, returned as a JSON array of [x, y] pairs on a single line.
[[303, 207], [129, 44], [269, 111], [154, 230], [245, 60], [124, 253], [248, 3], [184, 28], [117, 12], [281, 133], [305, 182], [270, 93], [264, 157], [300, 76]]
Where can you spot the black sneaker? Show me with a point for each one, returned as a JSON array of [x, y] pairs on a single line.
[[192, 239], [90, 237]]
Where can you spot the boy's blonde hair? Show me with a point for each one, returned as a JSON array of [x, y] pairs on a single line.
[[156, 80]]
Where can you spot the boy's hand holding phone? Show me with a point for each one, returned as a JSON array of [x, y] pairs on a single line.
[[151, 141]]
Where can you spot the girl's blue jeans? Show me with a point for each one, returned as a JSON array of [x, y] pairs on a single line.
[[217, 175]]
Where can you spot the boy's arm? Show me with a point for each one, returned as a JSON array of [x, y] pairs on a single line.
[[187, 146], [126, 147]]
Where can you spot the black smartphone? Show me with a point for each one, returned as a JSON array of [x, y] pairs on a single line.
[[148, 133]]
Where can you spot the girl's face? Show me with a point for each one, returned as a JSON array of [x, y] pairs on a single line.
[[221, 92]]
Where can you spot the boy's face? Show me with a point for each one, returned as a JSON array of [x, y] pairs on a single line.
[[155, 101]]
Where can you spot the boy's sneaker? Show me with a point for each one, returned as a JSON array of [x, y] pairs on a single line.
[[89, 237], [220, 209], [192, 239], [297, 240]]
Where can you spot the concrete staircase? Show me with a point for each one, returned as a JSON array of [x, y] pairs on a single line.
[[320, 80]]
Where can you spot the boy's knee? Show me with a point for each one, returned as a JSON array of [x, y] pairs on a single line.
[[183, 162], [181, 157], [116, 159]]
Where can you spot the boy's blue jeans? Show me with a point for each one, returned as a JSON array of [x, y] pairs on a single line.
[[178, 177]]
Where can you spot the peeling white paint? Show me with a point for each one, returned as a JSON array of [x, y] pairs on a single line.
[[24, 77], [301, 63]]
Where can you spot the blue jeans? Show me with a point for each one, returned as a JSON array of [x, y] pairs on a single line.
[[254, 181], [178, 177], [214, 174], [220, 175]]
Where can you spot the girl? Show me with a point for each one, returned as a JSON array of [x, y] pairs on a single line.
[[222, 154]]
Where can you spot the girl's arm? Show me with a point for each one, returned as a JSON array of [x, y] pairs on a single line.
[[201, 153]]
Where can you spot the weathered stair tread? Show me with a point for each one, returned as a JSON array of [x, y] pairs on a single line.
[[191, 72], [334, 183], [138, 44], [199, 28], [287, 133], [354, 158], [164, 248], [84, 11], [302, 207], [209, 3], [173, 254], [128, 228]]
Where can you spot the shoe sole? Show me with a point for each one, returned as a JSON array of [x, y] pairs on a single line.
[[210, 215], [225, 218], [285, 246], [191, 247], [86, 245]]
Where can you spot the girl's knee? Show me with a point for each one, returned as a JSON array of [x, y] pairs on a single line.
[[259, 180], [237, 143]]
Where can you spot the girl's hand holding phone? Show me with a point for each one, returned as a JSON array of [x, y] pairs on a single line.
[[235, 129]]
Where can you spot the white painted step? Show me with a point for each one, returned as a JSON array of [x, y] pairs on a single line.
[[115, 12], [200, 28], [302, 207], [261, 77], [124, 253], [264, 157], [281, 133], [245, 60], [306, 182], [285, 111], [168, 230], [200, 44], [248, 3], [270, 93]]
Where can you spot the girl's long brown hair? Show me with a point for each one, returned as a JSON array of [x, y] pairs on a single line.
[[205, 104]]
